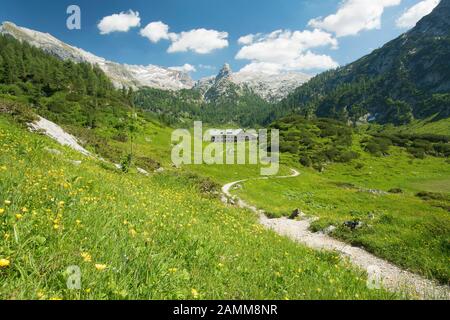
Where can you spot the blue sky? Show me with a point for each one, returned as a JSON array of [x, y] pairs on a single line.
[[356, 28]]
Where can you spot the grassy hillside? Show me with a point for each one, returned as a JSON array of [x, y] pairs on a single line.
[[139, 237], [403, 204]]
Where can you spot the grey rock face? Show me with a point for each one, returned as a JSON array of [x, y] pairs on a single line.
[[270, 87]]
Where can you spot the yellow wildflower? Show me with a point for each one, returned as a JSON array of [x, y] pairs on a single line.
[[24, 210], [19, 216], [194, 293], [4, 263], [2, 211], [173, 270], [100, 267], [86, 257]]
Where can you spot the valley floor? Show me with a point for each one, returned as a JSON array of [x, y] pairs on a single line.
[[137, 237], [166, 237], [381, 271]]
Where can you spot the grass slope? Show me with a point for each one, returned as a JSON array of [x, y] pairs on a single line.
[[402, 228], [142, 238]]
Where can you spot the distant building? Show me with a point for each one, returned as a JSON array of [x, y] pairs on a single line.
[[230, 135]]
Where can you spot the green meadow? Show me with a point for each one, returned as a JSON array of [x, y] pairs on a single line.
[[397, 225], [138, 237]]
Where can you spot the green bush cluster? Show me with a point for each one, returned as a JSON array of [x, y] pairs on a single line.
[[418, 145], [316, 142]]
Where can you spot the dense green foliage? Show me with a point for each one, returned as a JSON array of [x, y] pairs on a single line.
[[78, 96], [175, 108], [70, 93], [316, 142], [419, 145]]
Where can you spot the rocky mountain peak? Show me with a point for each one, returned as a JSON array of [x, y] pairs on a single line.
[[269, 87], [225, 72], [437, 23]]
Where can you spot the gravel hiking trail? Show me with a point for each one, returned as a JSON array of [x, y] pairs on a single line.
[[391, 277]]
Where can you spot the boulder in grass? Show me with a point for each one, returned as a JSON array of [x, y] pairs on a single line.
[[353, 225], [142, 171], [295, 214]]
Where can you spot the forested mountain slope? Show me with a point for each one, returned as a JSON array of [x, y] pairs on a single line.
[[407, 78]]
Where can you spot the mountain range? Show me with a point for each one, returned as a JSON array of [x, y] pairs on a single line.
[[269, 87], [120, 75], [407, 78]]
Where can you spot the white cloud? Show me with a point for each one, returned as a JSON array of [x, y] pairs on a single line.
[[200, 41], [186, 68], [304, 62], [411, 16], [156, 31], [285, 50], [246, 40], [120, 22], [354, 16], [206, 67]]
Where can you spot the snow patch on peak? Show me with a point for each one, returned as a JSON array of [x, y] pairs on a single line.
[[270, 87], [121, 75]]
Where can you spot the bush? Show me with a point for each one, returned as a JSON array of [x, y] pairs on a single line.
[[359, 166], [290, 147], [18, 111], [418, 153], [306, 161], [425, 195], [378, 146], [395, 190], [348, 156], [147, 163]]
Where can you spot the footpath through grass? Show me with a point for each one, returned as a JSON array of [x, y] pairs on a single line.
[[410, 231], [137, 237]]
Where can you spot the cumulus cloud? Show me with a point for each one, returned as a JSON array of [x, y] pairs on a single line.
[[304, 62], [285, 50], [246, 40], [120, 22], [411, 16], [206, 67], [200, 41], [156, 31], [354, 16], [185, 68]]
